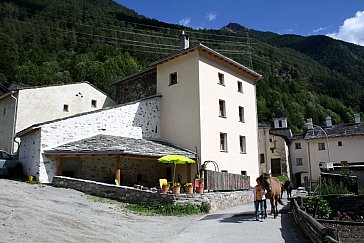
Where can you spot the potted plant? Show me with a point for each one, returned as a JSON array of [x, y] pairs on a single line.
[[189, 187], [176, 189], [201, 183], [165, 187]]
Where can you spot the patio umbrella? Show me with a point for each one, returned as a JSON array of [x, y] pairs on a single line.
[[175, 159]]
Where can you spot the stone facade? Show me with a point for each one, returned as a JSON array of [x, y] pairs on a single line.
[[136, 87], [135, 120], [217, 200]]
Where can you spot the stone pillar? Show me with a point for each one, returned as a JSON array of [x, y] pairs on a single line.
[[59, 165]]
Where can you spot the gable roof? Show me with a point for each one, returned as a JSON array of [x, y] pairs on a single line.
[[336, 131], [116, 145], [202, 48]]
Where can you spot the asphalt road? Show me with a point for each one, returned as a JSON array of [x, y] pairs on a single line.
[[238, 224]]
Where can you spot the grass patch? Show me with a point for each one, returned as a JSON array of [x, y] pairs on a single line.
[[361, 191], [168, 210]]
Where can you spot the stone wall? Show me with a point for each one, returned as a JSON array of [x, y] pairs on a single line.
[[137, 87], [136, 120], [217, 200]]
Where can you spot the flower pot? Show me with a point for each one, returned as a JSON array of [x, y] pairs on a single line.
[[176, 189], [189, 189], [200, 189], [165, 189]]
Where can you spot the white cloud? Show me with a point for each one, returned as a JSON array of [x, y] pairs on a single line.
[[352, 30], [185, 21], [321, 29], [211, 16]]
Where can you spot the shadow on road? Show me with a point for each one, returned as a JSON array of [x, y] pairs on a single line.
[[232, 218]]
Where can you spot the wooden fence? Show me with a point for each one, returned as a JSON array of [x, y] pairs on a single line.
[[315, 231], [223, 181]]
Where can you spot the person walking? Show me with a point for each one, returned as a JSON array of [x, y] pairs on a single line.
[[259, 197]]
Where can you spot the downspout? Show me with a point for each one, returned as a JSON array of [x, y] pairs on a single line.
[[14, 123], [265, 150]]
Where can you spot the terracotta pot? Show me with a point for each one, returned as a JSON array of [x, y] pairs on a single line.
[[200, 188], [176, 189], [165, 189], [189, 189]]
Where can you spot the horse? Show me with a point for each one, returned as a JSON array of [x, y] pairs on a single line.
[[273, 186], [288, 185]]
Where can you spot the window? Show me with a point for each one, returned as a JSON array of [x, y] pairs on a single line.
[[94, 103], [221, 79], [173, 78], [4, 112], [243, 172], [298, 161], [321, 146], [339, 143], [240, 87], [242, 144], [262, 159], [224, 171], [241, 114], [65, 108], [297, 146], [223, 142], [222, 112]]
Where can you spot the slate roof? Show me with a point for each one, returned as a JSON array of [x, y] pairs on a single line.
[[112, 145], [342, 130]]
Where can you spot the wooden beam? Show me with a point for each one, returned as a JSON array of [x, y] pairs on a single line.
[[59, 165], [117, 171]]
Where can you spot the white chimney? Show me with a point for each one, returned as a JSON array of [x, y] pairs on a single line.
[[184, 41], [276, 123], [328, 121], [284, 122], [357, 118], [309, 124]]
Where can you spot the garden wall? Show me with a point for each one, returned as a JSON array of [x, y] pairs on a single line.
[[217, 200]]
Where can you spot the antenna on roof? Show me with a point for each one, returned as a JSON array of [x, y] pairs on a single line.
[[184, 41]]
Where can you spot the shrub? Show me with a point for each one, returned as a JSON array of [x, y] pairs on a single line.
[[323, 209], [329, 187]]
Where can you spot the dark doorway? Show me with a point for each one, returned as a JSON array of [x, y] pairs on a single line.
[[276, 167]]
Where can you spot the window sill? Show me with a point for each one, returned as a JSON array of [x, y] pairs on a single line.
[[242, 152], [172, 84], [221, 84], [242, 121], [223, 151], [223, 117]]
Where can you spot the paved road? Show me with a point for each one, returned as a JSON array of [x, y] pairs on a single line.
[[238, 224]]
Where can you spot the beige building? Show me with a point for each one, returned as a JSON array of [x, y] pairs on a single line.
[[273, 148], [322, 149], [24, 107], [208, 105]]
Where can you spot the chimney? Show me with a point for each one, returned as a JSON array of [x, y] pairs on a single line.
[[309, 124], [328, 121], [184, 41], [357, 118]]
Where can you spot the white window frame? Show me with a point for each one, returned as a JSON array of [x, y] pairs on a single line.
[[242, 142], [223, 142]]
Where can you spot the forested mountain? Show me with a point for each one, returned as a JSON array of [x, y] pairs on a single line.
[[62, 41]]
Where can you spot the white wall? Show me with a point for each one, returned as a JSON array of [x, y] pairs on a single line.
[[211, 124], [136, 120], [7, 109]]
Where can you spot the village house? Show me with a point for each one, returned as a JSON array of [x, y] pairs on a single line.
[[327, 148], [273, 148], [22, 107], [196, 103]]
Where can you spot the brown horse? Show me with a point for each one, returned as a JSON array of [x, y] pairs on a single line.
[[273, 186]]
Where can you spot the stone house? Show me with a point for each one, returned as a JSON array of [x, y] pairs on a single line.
[[273, 148], [22, 107], [321, 149]]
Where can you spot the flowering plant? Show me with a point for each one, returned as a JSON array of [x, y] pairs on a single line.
[[177, 184], [188, 184], [165, 184]]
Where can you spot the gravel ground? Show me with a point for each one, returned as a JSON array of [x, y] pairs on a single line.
[[348, 233], [39, 213]]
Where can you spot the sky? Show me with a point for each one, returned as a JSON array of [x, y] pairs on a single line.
[[339, 19]]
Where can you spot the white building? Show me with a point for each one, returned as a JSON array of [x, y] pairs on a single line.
[[326, 148], [24, 107], [208, 105]]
